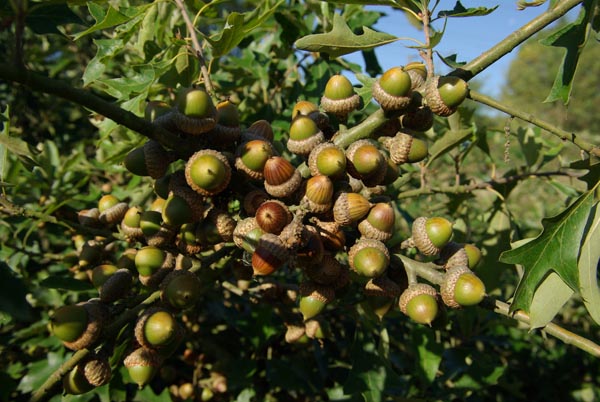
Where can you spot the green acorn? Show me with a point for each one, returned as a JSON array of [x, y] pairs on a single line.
[[305, 135], [111, 209], [142, 365], [365, 161], [430, 235], [153, 264], [79, 326], [181, 289], [444, 94], [461, 288], [251, 157], [195, 112], [130, 224], [75, 383], [369, 258], [392, 90], [176, 211], [339, 97], [100, 274], [405, 148], [379, 223], [327, 159], [208, 172], [419, 302], [151, 159], [314, 298], [417, 72], [156, 328]]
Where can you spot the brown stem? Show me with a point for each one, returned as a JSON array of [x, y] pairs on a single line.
[[558, 132], [197, 47], [489, 57], [427, 54]]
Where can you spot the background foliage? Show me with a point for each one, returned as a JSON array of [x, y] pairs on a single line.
[[495, 178]]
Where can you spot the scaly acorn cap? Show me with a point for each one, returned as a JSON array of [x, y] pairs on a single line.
[[294, 235], [314, 298], [418, 74], [89, 217], [431, 234], [156, 277], [96, 370], [404, 148], [242, 228], [208, 172], [318, 194], [392, 89], [195, 112], [426, 296], [113, 214], [253, 200], [179, 187], [305, 135], [270, 254], [454, 254], [444, 94], [339, 97], [379, 223], [382, 286], [326, 272], [281, 178], [155, 328], [313, 329], [349, 208], [294, 333], [331, 234], [97, 316], [251, 157], [223, 222], [180, 288], [130, 225], [75, 383], [163, 238], [272, 216], [157, 159], [462, 279], [117, 286], [369, 258], [142, 364], [420, 119], [327, 159], [311, 251]]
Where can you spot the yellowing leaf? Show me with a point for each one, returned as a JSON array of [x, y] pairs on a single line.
[[555, 249], [341, 40], [588, 266]]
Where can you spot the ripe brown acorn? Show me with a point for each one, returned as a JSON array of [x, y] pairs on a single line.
[[272, 216], [282, 179], [349, 208], [270, 254], [318, 194]]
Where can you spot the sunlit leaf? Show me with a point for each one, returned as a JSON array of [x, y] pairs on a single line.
[[341, 40], [110, 18], [588, 267], [572, 37], [555, 249]]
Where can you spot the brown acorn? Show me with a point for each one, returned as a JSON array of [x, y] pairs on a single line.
[[349, 208], [305, 135], [270, 254], [318, 195], [281, 178], [251, 157], [260, 129], [419, 302], [272, 216], [369, 258], [339, 97], [379, 223], [331, 234], [208, 172], [327, 159]]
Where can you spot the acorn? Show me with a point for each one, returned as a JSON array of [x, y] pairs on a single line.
[[461, 288], [404, 148], [326, 271], [251, 157], [157, 204], [331, 234], [181, 289], [392, 89], [227, 129], [295, 235], [247, 232], [153, 264], [89, 217], [207, 172], [473, 254], [379, 223], [318, 194], [419, 119], [187, 242], [339, 97], [418, 74], [365, 160], [369, 258], [281, 178], [260, 129], [79, 326], [176, 211], [154, 110], [294, 333], [156, 328], [130, 224], [444, 94], [179, 187], [327, 159], [111, 210], [304, 136], [161, 186], [270, 254], [382, 286], [314, 329], [314, 298], [310, 252], [195, 112], [222, 222], [142, 364], [349, 208], [430, 235], [100, 274], [96, 369], [117, 286], [419, 302], [304, 108], [75, 382], [150, 222], [272, 216], [91, 253], [151, 159], [127, 259], [253, 200]]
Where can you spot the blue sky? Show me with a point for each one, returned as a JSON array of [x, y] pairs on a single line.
[[467, 37]]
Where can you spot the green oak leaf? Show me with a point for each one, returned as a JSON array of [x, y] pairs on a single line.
[[572, 37], [341, 40], [550, 296], [556, 249], [460, 11], [588, 267]]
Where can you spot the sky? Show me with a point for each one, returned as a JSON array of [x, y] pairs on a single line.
[[466, 37]]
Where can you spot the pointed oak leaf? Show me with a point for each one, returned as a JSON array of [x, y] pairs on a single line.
[[341, 40], [555, 249]]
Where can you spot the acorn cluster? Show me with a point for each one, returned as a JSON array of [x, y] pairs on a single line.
[[302, 208]]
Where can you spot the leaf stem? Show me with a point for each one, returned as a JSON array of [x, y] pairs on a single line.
[[197, 48], [505, 46], [558, 132]]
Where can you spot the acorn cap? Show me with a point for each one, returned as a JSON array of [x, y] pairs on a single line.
[[311, 250], [97, 315], [314, 329], [253, 200], [418, 74], [444, 94], [130, 225], [223, 222], [157, 159], [208, 172], [251, 157], [349, 208], [369, 257], [420, 119], [313, 298], [454, 254], [281, 178], [331, 234], [195, 112], [304, 136], [242, 228], [269, 255], [294, 235], [142, 364], [449, 283], [415, 290], [114, 214], [294, 333], [163, 238], [327, 159], [156, 278], [96, 370], [382, 286], [180, 288], [116, 286], [89, 217]]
